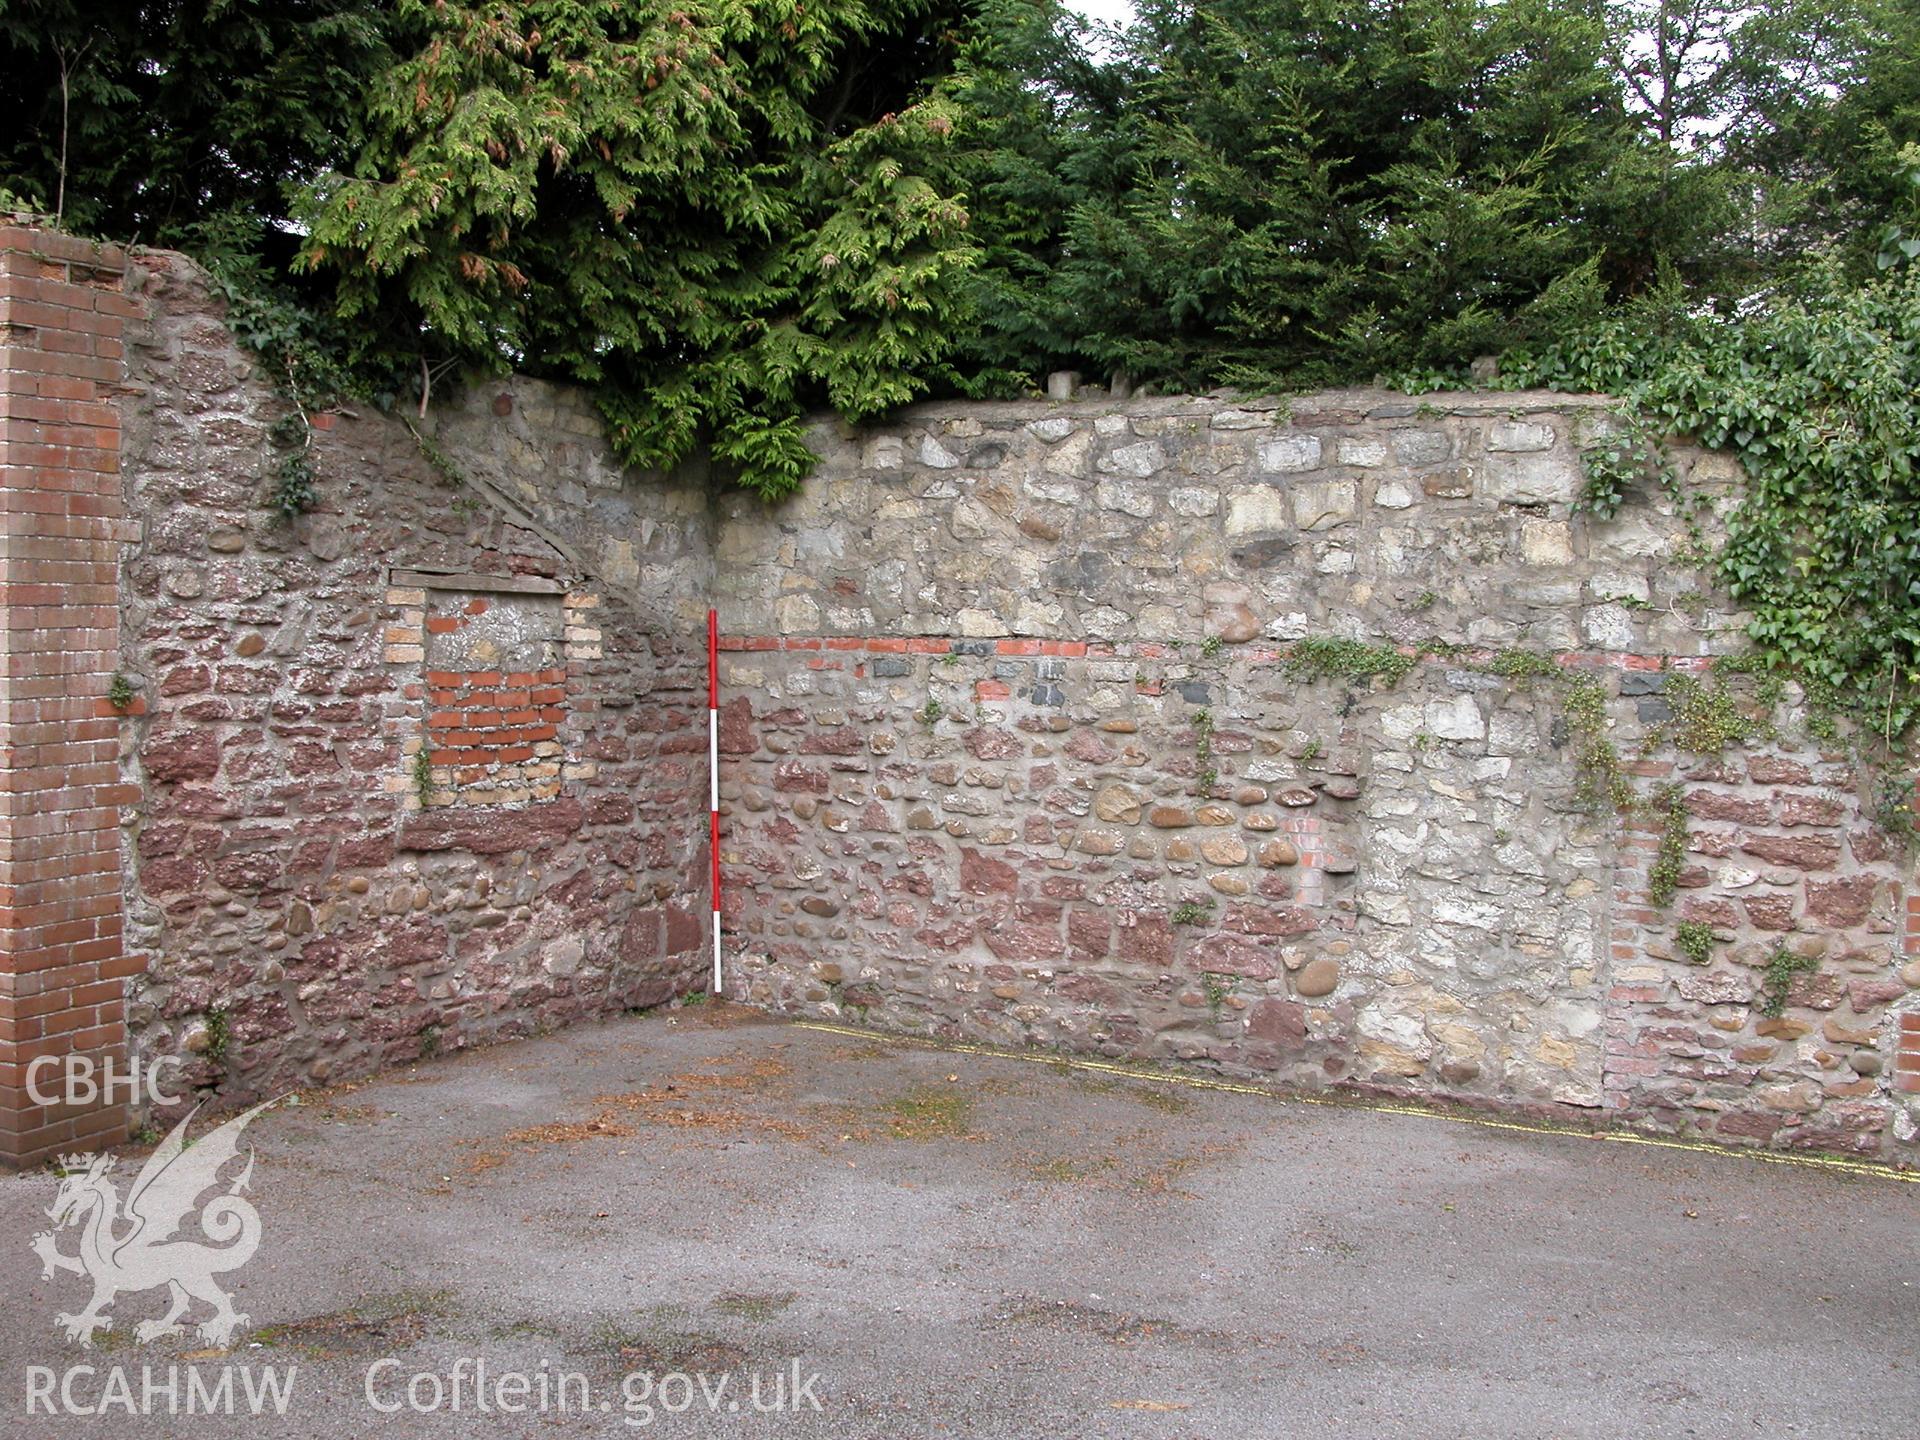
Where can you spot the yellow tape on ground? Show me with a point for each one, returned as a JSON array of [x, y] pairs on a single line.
[[1356, 1102]]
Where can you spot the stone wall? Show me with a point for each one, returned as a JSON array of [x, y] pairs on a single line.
[[1267, 738], [415, 775], [1020, 744]]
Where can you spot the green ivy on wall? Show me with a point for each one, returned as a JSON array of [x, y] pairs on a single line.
[[1817, 397]]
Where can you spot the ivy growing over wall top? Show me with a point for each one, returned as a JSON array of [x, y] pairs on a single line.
[[1817, 395]]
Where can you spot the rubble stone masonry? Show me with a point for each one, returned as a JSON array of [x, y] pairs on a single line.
[[1018, 745], [409, 776], [1255, 737]]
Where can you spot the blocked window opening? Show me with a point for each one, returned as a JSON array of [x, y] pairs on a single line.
[[494, 655]]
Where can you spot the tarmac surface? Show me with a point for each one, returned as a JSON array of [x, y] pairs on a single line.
[[668, 1209]]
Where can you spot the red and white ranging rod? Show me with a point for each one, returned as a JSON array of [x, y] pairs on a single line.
[[713, 778]]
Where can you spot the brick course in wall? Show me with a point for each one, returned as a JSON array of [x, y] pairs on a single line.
[[63, 958]]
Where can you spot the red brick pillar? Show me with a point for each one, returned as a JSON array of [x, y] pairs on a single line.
[[63, 966]]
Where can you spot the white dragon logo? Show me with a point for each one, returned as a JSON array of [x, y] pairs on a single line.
[[138, 1250]]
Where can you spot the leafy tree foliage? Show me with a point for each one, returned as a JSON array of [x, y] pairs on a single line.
[[1051, 145], [1297, 191], [719, 214], [1817, 394], [149, 118], [1825, 125]]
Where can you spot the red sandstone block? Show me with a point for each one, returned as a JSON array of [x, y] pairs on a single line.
[[925, 645], [556, 713], [845, 642], [548, 695], [1637, 993], [449, 679], [481, 677], [441, 625], [886, 645], [482, 719], [445, 720], [1626, 1065], [514, 753], [991, 690], [800, 642]]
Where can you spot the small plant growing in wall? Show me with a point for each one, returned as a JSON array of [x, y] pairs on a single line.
[[1893, 808], [1211, 646], [120, 692], [1203, 749], [930, 712], [1216, 988], [293, 487], [1598, 783], [424, 785], [1670, 811], [1694, 939], [1614, 464], [1705, 718], [1325, 658], [1521, 666], [219, 1037], [1190, 912], [1776, 981]]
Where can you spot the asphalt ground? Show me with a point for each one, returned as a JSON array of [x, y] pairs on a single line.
[[643, 1220]]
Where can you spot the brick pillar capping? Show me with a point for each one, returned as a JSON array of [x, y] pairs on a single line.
[[63, 966]]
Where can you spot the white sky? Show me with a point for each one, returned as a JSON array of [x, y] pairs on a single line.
[[1111, 12]]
